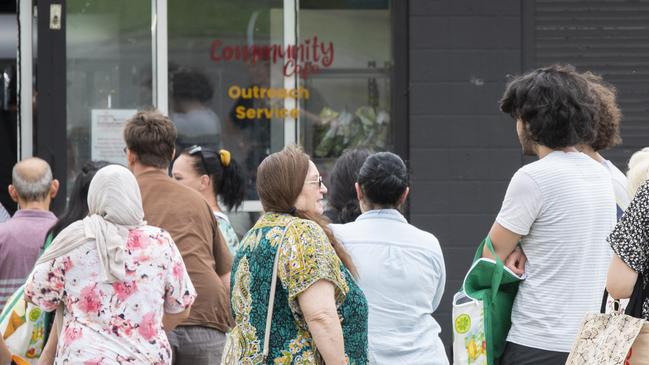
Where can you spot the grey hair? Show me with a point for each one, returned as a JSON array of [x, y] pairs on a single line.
[[35, 189]]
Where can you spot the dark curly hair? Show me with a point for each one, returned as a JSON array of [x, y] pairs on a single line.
[[609, 114], [383, 179], [191, 84], [342, 199], [555, 104]]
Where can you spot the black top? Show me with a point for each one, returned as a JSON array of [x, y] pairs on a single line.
[[630, 238]]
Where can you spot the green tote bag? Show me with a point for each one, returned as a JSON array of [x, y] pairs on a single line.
[[492, 286]]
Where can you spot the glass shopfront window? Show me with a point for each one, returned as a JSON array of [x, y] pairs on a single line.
[[221, 78], [247, 76], [109, 76], [349, 84]]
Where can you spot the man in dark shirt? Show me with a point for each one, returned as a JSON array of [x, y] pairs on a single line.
[[150, 139]]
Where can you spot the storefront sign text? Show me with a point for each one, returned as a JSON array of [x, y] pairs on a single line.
[[302, 59], [255, 92]]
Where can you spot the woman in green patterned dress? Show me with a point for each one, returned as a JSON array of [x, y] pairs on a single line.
[[319, 313]]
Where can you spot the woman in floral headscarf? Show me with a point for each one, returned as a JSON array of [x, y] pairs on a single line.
[[121, 283]]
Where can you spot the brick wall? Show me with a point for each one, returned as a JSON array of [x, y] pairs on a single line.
[[463, 150]]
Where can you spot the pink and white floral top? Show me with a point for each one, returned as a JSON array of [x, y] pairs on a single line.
[[118, 323]]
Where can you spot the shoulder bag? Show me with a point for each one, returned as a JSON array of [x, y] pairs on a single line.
[[616, 338]]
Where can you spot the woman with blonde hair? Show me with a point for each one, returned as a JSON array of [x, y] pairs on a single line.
[[638, 170], [316, 313]]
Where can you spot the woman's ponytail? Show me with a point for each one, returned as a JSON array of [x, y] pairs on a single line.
[[230, 186]]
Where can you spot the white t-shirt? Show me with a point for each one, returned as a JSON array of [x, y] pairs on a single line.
[[620, 183], [564, 207]]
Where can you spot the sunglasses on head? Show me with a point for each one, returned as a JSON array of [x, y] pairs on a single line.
[[204, 153]]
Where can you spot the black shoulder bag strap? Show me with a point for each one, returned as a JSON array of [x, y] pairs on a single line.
[[634, 308]]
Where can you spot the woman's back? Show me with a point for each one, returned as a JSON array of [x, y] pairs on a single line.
[[402, 273], [110, 323]]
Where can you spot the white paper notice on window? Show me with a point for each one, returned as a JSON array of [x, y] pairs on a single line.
[[107, 139]]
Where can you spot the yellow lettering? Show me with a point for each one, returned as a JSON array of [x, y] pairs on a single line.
[[267, 112], [234, 92], [241, 112], [251, 114]]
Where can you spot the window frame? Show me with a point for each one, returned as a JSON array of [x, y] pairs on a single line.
[[50, 140]]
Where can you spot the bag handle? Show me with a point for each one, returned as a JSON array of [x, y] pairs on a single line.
[[271, 298], [497, 276], [634, 308]]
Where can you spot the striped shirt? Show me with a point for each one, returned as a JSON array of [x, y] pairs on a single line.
[[21, 239], [4, 215], [564, 207]]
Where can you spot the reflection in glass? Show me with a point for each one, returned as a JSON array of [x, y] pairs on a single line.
[[219, 51], [108, 45], [214, 67], [8, 128], [349, 106], [196, 122]]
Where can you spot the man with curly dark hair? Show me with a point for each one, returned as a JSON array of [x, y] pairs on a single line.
[[608, 135], [558, 211], [196, 122]]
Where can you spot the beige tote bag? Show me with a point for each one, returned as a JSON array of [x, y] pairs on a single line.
[[611, 339]]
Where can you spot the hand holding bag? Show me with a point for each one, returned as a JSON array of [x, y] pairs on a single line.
[[482, 310]]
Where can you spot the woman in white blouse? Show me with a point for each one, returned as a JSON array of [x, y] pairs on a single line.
[[401, 268]]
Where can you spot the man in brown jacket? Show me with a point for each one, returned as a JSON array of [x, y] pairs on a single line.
[[150, 139]]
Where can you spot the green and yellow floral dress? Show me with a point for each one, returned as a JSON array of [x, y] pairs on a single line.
[[305, 257]]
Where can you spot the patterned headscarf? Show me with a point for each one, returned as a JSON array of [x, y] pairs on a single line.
[[115, 206]]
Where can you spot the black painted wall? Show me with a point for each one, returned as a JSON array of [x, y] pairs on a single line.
[[463, 150]]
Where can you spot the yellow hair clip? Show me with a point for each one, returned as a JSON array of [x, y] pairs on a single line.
[[224, 156]]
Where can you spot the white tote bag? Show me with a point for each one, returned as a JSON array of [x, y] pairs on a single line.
[[469, 343], [22, 325]]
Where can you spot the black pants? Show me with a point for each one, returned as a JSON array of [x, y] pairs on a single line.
[[522, 355]]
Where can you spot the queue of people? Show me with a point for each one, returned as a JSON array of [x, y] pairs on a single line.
[[144, 266]]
